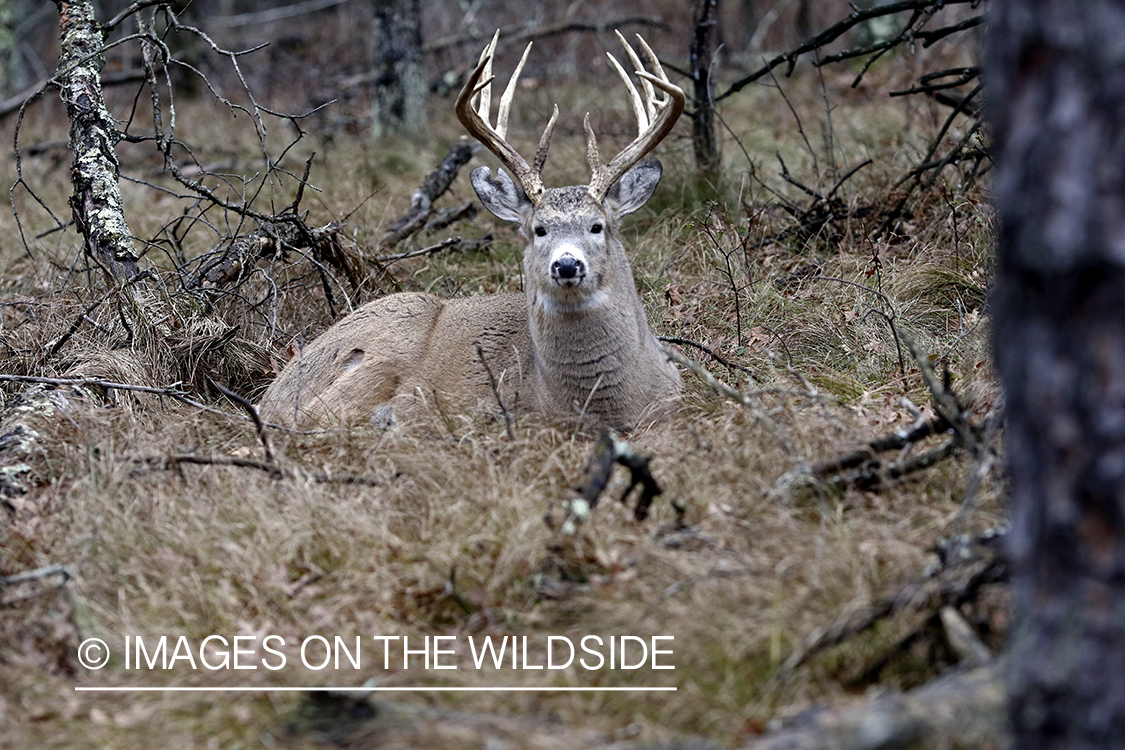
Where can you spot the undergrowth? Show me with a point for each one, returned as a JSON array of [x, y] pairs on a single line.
[[449, 537]]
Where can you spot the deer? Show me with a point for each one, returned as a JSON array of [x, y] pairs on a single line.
[[576, 341]]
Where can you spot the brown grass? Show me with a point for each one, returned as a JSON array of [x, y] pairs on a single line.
[[454, 541]]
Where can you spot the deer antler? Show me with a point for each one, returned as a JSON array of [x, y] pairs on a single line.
[[654, 119], [475, 118]]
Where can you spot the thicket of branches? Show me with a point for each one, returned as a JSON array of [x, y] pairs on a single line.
[[235, 241]]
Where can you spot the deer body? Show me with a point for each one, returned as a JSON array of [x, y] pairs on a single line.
[[577, 341]]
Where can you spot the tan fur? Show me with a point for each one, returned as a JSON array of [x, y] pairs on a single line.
[[546, 348], [576, 342]]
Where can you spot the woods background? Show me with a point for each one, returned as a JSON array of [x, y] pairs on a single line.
[[819, 255]]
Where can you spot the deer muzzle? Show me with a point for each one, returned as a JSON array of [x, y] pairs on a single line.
[[568, 266]]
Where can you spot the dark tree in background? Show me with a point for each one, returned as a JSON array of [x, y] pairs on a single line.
[[400, 76], [1056, 72], [705, 21], [12, 76]]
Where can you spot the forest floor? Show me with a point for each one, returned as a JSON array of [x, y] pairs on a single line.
[[748, 557]]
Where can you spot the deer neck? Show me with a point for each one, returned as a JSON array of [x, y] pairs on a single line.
[[586, 354]]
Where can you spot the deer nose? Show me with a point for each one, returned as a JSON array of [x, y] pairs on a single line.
[[568, 267]]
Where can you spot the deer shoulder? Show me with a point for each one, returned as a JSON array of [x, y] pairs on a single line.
[[577, 341]]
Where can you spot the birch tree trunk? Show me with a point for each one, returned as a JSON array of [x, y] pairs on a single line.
[[1056, 72], [96, 200], [400, 80]]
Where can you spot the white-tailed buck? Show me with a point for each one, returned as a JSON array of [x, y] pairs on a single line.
[[577, 341]]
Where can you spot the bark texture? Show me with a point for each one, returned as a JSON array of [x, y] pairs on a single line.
[[1056, 71], [400, 76], [705, 20], [96, 201]]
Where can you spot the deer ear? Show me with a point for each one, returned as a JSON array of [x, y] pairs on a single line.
[[634, 188], [500, 194]]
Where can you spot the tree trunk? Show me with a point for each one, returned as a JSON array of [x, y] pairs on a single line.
[[705, 20], [12, 75], [1058, 110], [96, 201], [400, 77]]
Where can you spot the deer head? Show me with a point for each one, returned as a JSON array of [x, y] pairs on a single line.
[[576, 341], [575, 262]]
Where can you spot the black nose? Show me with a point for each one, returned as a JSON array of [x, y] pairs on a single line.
[[568, 267]]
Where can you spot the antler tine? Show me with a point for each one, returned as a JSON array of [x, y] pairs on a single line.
[[650, 96], [475, 119], [509, 92], [655, 120], [484, 105], [643, 117], [545, 143]]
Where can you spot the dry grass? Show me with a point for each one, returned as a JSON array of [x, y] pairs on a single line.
[[453, 542]]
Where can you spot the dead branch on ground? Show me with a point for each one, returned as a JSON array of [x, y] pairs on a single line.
[[610, 451], [961, 709], [964, 566], [422, 199]]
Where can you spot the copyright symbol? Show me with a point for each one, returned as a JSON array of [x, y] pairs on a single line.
[[93, 653]]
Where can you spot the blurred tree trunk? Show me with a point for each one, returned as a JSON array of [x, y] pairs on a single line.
[[400, 78], [12, 77], [705, 22], [96, 201], [1058, 109]]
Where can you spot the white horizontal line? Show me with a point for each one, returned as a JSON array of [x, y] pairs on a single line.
[[245, 689]]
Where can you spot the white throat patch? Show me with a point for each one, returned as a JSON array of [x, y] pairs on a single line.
[[552, 306]]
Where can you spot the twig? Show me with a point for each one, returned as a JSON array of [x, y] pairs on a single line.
[[65, 571], [500, 401], [164, 463], [457, 242], [830, 34], [173, 390], [709, 352], [725, 390], [254, 416], [896, 440]]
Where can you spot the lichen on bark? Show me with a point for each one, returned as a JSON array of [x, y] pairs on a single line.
[[96, 201]]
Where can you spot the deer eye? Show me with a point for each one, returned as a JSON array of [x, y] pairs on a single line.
[[540, 231], [596, 229]]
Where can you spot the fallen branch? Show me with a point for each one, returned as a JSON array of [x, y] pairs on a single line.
[[965, 564], [422, 199], [962, 709], [271, 240], [172, 462], [456, 243], [610, 451]]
